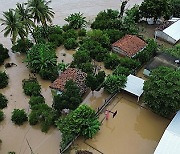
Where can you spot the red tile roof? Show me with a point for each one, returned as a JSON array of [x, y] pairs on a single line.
[[130, 44], [70, 74]]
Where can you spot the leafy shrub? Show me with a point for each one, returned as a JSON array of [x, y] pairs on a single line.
[[56, 39], [1, 116], [86, 67], [76, 20], [66, 27], [3, 54], [134, 13], [120, 70], [4, 80], [31, 87], [82, 121], [22, 46], [114, 83], [3, 101], [19, 116], [129, 63], [69, 99], [71, 33], [174, 51], [82, 32], [81, 56], [43, 114], [111, 61], [42, 59], [161, 91], [34, 100], [70, 43]]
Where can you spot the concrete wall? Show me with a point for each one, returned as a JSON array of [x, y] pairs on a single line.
[[164, 36], [146, 72], [118, 50]]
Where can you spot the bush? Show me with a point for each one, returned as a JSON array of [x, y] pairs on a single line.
[[3, 101], [70, 43], [161, 91], [82, 121], [43, 114], [86, 67], [56, 39], [34, 100], [66, 27], [1, 116], [3, 54], [82, 32], [4, 80], [76, 20], [120, 70], [31, 87], [50, 73], [19, 116], [174, 51], [71, 33], [81, 56], [114, 83], [129, 63], [22, 46], [111, 61]]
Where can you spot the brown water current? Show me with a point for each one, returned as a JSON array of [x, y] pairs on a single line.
[[134, 129]]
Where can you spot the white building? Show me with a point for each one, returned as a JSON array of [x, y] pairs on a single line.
[[170, 141], [170, 31]]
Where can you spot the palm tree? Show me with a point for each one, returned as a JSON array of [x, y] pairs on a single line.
[[40, 11], [14, 26], [25, 16]]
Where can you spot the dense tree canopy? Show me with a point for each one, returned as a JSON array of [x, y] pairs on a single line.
[[161, 91], [3, 54], [81, 121]]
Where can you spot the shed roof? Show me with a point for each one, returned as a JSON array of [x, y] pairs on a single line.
[[70, 74], [173, 31], [134, 85], [162, 59], [170, 141], [131, 44]]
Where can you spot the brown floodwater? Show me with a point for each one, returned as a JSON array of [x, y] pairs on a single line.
[[133, 127]]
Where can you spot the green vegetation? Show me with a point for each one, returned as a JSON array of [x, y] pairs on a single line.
[[120, 70], [70, 43], [111, 61], [42, 59], [95, 81], [175, 7], [1, 116], [69, 99], [31, 87], [76, 20], [43, 114], [155, 9], [34, 100], [161, 91], [3, 54], [174, 51], [3, 101], [81, 121], [114, 83], [22, 46], [4, 80], [19, 116]]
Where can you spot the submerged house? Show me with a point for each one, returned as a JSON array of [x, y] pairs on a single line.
[[169, 31], [161, 59], [170, 141], [74, 74], [129, 45]]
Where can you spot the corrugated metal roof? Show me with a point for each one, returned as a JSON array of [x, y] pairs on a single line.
[[170, 141], [134, 85], [173, 30]]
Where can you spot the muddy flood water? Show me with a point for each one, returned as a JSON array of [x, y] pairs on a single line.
[[134, 130]]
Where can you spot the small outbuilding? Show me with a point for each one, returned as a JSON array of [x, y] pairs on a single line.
[[169, 31], [134, 85], [74, 74], [170, 141], [161, 59], [129, 45]]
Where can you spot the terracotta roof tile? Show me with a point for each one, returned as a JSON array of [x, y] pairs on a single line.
[[70, 74], [131, 44]]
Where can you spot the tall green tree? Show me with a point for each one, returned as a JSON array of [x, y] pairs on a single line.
[[40, 11], [161, 91], [13, 25], [25, 17]]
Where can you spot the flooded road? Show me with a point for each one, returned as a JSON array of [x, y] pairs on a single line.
[[134, 127]]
